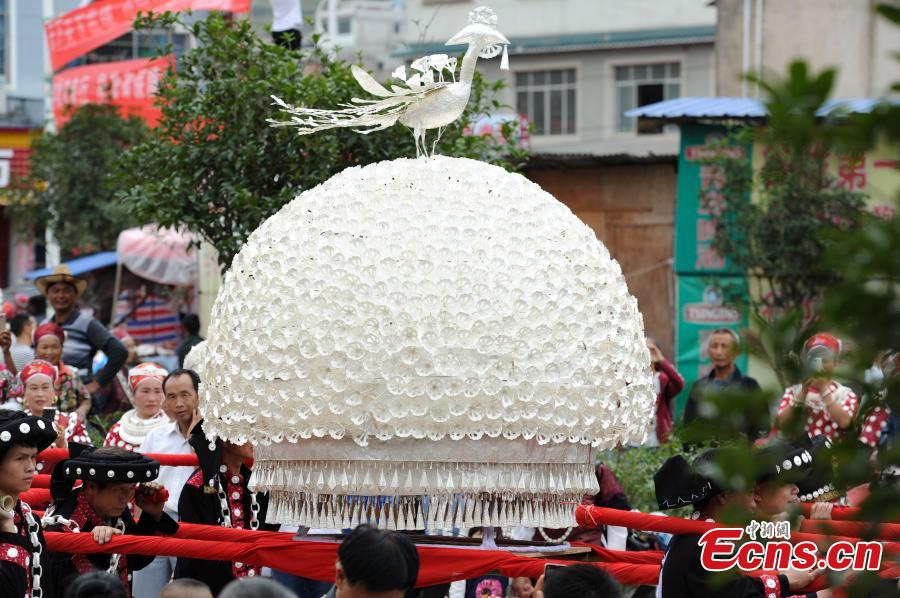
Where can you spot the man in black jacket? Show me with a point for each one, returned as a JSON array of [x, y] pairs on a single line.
[[722, 348], [217, 494]]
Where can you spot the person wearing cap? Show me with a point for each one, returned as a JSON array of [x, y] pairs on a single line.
[[826, 406], [49, 339], [23, 550], [722, 348], [145, 382], [84, 334], [38, 380], [217, 494], [781, 467], [682, 575], [100, 506]]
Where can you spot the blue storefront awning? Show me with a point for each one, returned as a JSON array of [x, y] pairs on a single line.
[[80, 265]]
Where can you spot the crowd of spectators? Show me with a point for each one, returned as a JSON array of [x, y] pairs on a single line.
[[48, 377]]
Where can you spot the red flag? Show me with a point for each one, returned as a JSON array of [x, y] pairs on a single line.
[[129, 84], [83, 29]]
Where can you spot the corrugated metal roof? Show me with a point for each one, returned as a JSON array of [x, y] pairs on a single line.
[[735, 108], [852, 105], [80, 265], [702, 107], [587, 41]]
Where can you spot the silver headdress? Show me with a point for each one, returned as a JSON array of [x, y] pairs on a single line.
[[487, 16]]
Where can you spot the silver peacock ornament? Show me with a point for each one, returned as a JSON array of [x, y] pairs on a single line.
[[424, 101]]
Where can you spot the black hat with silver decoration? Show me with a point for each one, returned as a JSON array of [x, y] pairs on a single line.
[[678, 484], [103, 465], [818, 483], [19, 428], [783, 462]]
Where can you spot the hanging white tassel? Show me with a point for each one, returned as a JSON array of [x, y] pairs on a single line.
[[346, 520], [402, 507], [432, 513], [303, 508], [504, 62], [477, 520], [391, 520], [468, 507], [447, 523]]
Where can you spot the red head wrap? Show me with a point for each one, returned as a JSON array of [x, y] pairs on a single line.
[[49, 329], [145, 371], [38, 367], [827, 341]]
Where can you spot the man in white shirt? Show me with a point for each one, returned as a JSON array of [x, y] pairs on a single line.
[[181, 404]]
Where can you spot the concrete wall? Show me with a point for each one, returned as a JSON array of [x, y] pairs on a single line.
[[376, 30], [825, 33], [25, 48], [375, 33], [596, 99], [24, 85], [440, 19]]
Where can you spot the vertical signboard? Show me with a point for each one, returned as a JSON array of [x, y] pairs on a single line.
[[703, 306], [699, 186], [707, 283]]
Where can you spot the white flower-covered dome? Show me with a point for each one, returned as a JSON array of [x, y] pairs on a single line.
[[434, 313]]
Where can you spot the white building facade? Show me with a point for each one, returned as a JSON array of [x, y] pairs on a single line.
[[577, 65], [371, 29]]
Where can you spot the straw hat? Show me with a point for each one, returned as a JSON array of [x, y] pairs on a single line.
[[61, 273]]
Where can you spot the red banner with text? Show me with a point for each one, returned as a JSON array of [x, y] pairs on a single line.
[[128, 84], [77, 32]]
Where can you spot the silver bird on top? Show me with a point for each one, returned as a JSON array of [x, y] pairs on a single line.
[[422, 103]]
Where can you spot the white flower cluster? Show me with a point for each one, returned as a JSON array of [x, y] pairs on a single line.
[[429, 298]]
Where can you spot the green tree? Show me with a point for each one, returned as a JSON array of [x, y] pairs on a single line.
[[214, 164], [860, 303], [778, 238], [635, 466], [70, 190]]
